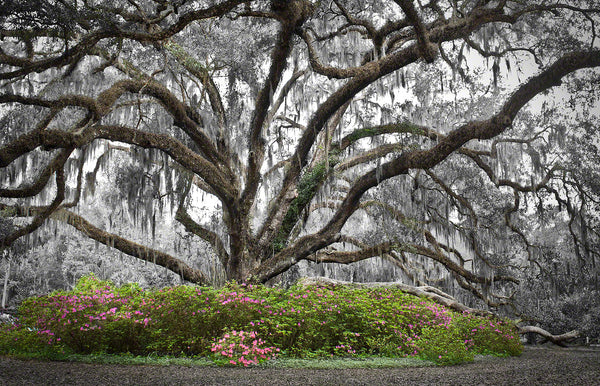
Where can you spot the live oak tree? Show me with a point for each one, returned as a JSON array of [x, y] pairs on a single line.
[[296, 119]]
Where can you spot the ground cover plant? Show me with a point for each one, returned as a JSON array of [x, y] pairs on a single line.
[[247, 325]]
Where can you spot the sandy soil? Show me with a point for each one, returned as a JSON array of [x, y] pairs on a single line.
[[537, 366]]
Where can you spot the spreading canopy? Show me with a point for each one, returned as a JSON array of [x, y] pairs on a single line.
[[296, 119]]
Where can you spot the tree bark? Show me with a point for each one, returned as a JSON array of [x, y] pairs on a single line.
[[556, 339], [5, 288]]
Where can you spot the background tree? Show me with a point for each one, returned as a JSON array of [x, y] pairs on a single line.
[[269, 129]]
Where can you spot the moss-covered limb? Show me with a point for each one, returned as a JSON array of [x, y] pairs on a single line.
[[178, 152], [437, 255], [391, 128], [556, 339], [41, 180], [184, 116], [183, 217], [203, 73], [454, 195], [205, 234], [293, 14], [325, 141], [422, 291], [287, 87], [373, 154], [121, 64], [308, 186], [478, 293], [42, 214], [347, 257], [131, 248]]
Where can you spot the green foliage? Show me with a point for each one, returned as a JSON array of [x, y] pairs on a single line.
[[247, 324], [26, 341], [186, 59], [89, 283], [307, 188], [490, 335], [445, 346]]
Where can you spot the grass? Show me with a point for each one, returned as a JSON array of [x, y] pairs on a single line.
[[278, 363], [288, 363]]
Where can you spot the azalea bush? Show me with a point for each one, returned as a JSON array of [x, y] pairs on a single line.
[[93, 317], [445, 346], [16, 339], [241, 348], [248, 324], [489, 335]]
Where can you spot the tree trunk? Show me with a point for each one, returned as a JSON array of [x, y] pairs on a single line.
[[5, 288]]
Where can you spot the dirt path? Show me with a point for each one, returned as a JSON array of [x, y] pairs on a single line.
[[537, 366]]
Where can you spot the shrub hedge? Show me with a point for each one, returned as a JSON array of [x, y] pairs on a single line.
[[247, 324]]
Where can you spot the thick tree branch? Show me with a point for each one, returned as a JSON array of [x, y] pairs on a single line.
[[427, 50], [175, 149], [426, 159], [214, 96], [130, 248], [454, 195], [42, 214], [117, 30], [41, 180], [375, 71], [371, 155], [556, 339], [347, 257], [204, 233], [423, 291], [287, 87]]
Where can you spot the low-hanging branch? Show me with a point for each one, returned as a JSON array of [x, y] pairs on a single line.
[[422, 291], [559, 340], [131, 248], [41, 180]]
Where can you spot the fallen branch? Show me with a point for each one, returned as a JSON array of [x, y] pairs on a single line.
[[556, 339]]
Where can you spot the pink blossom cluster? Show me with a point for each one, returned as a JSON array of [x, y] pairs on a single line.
[[242, 348], [235, 297], [345, 348]]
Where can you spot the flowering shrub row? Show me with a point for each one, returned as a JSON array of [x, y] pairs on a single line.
[[245, 324]]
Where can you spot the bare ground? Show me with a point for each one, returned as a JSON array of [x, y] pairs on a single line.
[[537, 366]]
